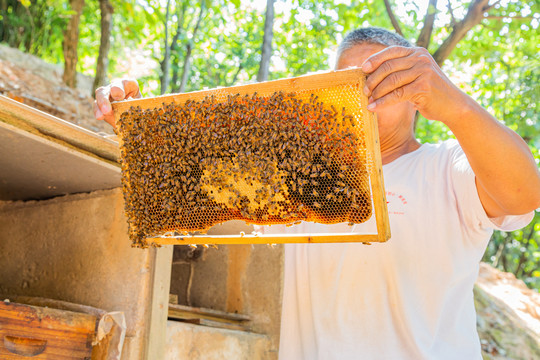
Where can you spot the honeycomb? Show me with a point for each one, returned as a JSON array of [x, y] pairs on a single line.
[[277, 158]]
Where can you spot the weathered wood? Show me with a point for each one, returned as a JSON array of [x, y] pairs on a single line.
[[376, 176], [209, 317], [161, 282], [188, 312], [44, 333], [53, 128], [217, 324]]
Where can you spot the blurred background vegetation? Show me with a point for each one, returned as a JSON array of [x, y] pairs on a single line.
[[489, 48]]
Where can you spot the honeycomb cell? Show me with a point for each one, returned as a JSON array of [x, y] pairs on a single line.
[[281, 158]]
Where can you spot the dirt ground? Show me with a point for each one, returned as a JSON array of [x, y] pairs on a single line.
[[508, 316], [32, 81]]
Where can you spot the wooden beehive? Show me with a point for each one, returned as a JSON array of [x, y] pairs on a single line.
[[278, 152], [43, 333]]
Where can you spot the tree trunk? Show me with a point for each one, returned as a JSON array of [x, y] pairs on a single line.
[[181, 10], [186, 68], [104, 45], [71, 40], [474, 16], [266, 51], [189, 49], [166, 62]]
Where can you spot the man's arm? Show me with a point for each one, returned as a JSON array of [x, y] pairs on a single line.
[[507, 178]]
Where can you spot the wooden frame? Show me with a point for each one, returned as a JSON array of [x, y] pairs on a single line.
[[353, 76]]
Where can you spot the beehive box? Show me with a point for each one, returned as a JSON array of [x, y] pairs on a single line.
[[43, 333], [278, 152]]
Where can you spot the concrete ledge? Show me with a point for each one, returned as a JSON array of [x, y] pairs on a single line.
[[196, 342]]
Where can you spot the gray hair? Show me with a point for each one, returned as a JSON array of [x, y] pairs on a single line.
[[371, 35]]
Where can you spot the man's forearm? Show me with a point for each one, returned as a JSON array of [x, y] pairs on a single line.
[[507, 176]]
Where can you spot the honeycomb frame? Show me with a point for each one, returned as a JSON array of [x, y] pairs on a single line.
[[348, 84]]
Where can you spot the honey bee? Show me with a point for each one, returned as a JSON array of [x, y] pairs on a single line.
[[182, 163]]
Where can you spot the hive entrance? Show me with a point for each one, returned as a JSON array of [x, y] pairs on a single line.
[[279, 152]]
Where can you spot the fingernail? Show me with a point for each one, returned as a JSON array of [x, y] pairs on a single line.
[[371, 106], [367, 66], [366, 91]]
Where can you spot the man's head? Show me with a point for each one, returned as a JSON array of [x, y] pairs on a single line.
[[371, 35], [395, 121]]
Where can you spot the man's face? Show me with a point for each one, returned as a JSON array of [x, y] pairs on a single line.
[[394, 120]]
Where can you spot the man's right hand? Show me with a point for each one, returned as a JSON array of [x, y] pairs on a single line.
[[117, 90]]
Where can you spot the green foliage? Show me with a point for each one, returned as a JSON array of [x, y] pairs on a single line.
[[518, 252], [497, 62], [35, 26], [311, 31]]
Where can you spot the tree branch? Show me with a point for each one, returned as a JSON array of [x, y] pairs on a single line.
[[508, 17], [474, 16], [425, 34], [523, 256], [489, 7], [451, 11], [238, 70], [392, 17], [499, 253]]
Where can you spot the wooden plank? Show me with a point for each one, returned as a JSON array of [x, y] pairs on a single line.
[[161, 282], [44, 333], [301, 83], [56, 169], [216, 324], [265, 239], [188, 312], [53, 128], [376, 176]]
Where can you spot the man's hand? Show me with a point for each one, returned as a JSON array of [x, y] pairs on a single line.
[[118, 90], [399, 74], [507, 178]]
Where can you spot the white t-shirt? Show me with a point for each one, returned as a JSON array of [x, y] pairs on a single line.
[[408, 298]]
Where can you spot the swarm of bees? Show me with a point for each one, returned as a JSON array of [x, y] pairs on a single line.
[[278, 159]]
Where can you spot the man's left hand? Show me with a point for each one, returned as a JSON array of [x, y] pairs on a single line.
[[399, 74]]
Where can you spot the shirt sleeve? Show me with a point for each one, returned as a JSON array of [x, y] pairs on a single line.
[[468, 201]]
